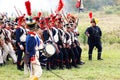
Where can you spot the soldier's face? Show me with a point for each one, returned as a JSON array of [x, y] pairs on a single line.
[[23, 24], [68, 29], [39, 31], [93, 24], [1, 26]]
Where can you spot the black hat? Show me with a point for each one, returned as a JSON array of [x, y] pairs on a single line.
[[92, 20], [31, 23]]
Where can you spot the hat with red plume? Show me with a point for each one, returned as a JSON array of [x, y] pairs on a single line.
[[38, 16], [21, 19]]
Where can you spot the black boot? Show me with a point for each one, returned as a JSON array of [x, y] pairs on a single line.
[[99, 56], [81, 62], [61, 65], [19, 66], [75, 65], [48, 66], [1, 64], [68, 66], [90, 57], [8, 56]]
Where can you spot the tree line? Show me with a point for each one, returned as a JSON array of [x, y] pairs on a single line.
[[91, 4]]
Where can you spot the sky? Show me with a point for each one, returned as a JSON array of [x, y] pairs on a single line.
[[39, 5]]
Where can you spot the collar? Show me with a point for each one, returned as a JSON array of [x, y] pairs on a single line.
[[17, 27], [32, 33]]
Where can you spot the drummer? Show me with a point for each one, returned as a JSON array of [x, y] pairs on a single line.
[[32, 44]]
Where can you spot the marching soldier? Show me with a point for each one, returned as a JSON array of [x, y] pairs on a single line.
[[1, 43], [77, 44], [20, 41], [5, 49], [9, 42], [74, 23], [46, 37], [1, 56], [94, 34], [62, 44], [55, 34], [70, 47], [32, 48]]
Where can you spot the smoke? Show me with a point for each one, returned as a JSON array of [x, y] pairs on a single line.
[[36, 5], [44, 5]]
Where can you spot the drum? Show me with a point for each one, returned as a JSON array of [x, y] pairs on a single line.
[[49, 49]]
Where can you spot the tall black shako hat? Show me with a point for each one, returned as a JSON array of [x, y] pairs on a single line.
[[31, 24]]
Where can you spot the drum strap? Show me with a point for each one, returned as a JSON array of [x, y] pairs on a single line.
[[57, 50]]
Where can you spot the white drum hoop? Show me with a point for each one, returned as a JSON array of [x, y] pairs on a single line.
[[49, 49]]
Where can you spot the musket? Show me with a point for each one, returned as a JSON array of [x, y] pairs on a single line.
[[5, 15], [16, 11], [20, 12], [64, 16], [52, 11], [77, 21]]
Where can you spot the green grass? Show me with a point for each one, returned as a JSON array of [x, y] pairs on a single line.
[[108, 69]]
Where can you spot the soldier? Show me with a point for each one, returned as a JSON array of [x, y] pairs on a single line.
[[46, 37], [1, 52], [94, 34], [55, 34], [1, 44], [61, 43], [5, 49], [8, 39], [76, 42], [69, 46], [32, 47], [20, 41]]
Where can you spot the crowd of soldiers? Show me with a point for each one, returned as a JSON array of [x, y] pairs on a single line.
[[53, 29]]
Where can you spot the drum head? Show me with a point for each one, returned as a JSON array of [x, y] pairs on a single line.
[[50, 49]]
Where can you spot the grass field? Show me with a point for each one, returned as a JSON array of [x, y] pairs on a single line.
[[108, 69]]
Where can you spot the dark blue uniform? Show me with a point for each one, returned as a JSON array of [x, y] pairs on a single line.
[[94, 40], [20, 31], [30, 46]]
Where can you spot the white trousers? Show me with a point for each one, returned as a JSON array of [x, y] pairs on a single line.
[[12, 52], [26, 69], [5, 51], [35, 69], [1, 56], [8, 49]]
